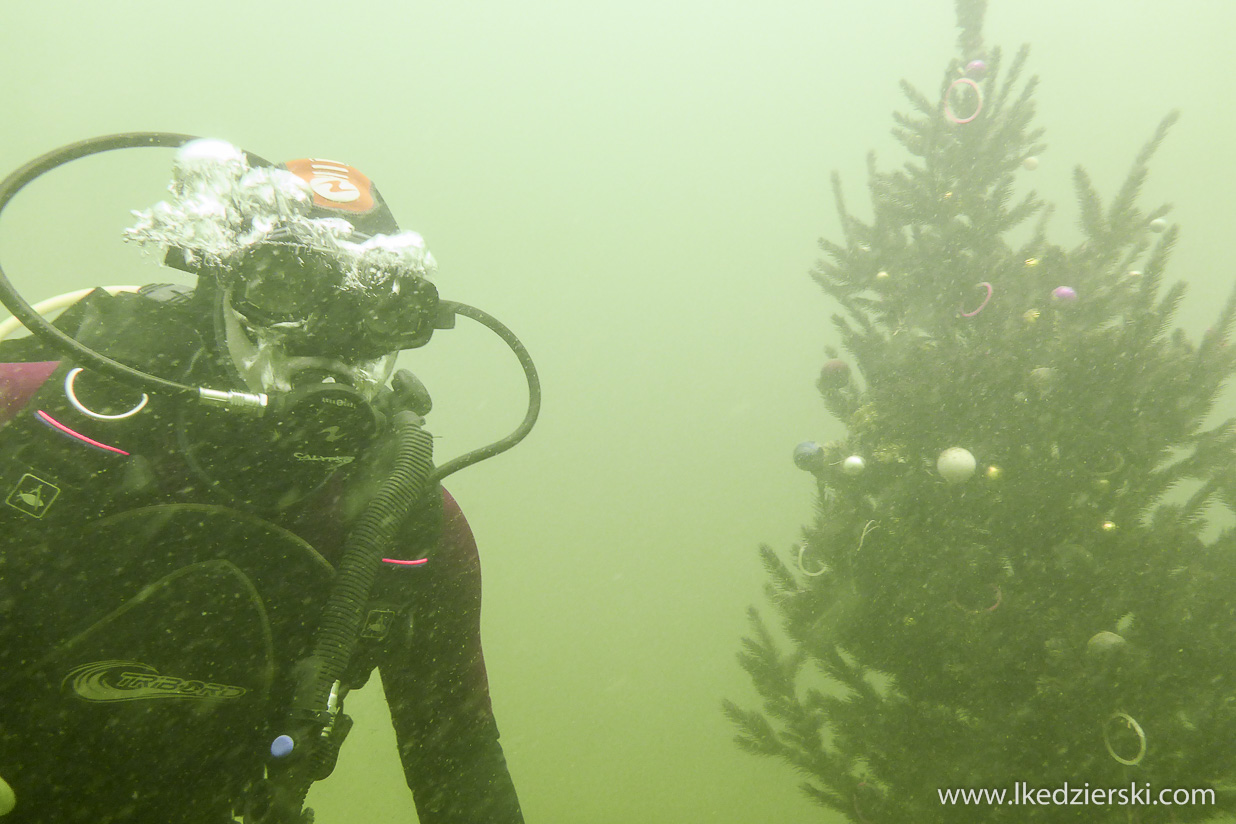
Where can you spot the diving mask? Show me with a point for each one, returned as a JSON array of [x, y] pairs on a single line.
[[319, 305]]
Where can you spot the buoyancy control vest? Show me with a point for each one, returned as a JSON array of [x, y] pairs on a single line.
[[152, 609]]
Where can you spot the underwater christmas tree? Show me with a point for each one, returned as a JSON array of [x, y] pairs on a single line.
[[1014, 573]]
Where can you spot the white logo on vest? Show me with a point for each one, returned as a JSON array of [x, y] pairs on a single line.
[[106, 681]]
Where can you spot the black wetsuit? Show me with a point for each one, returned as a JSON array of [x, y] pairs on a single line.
[[151, 612]]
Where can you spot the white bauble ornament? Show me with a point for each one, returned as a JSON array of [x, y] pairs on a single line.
[[1105, 643], [956, 465], [853, 465]]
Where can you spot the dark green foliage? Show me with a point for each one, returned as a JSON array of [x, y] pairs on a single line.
[[1025, 624]]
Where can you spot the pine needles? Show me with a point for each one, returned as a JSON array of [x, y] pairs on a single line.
[[984, 629]]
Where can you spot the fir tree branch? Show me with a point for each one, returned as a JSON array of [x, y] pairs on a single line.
[[755, 735], [1152, 274], [1000, 98], [1122, 210], [847, 223], [1091, 206], [920, 103], [783, 581], [1158, 323], [1223, 326], [1193, 511], [970, 27], [773, 674], [910, 138], [828, 798], [1007, 219], [848, 675]]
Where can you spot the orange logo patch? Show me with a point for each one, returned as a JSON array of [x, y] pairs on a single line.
[[335, 185]]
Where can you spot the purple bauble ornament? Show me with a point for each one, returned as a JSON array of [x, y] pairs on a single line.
[[809, 456], [976, 68], [1064, 293]]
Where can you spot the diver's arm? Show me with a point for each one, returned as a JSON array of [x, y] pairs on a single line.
[[438, 694]]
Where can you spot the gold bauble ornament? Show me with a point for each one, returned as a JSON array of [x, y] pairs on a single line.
[[1043, 378]]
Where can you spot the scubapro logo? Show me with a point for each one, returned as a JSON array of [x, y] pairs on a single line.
[[107, 681], [335, 185], [337, 460], [333, 181], [335, 189]]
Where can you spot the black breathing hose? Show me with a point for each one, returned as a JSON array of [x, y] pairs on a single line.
[[31, 319], [343, 616], [373, 533], [534, 393]]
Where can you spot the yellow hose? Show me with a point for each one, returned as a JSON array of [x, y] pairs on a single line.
[[46, 307]]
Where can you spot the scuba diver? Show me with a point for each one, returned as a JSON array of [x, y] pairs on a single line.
[[221, 513]]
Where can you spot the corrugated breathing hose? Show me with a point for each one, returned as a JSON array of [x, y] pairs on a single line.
[[314, 710]]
